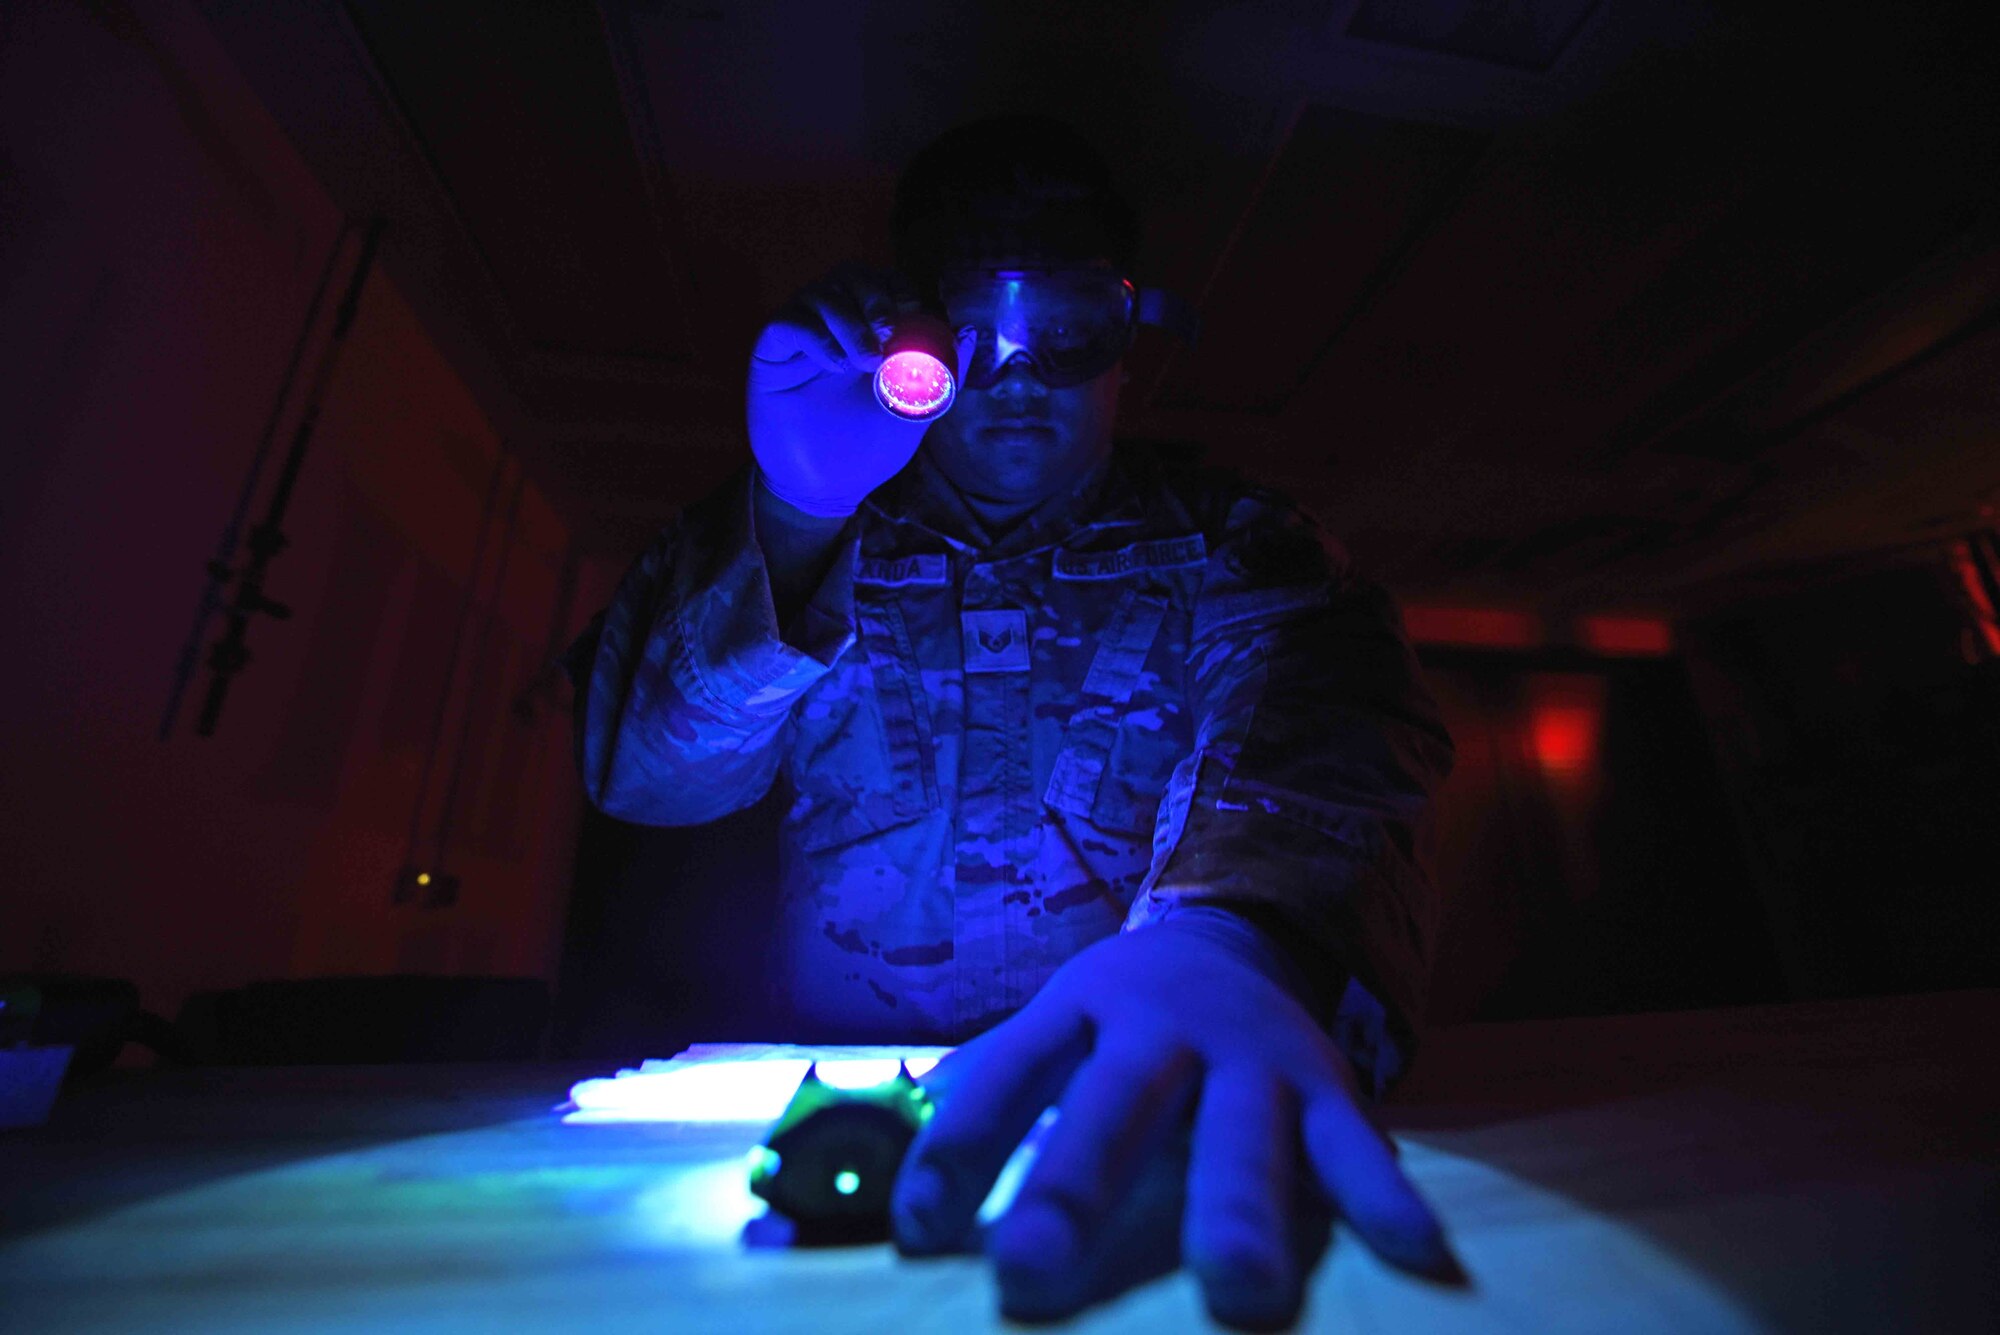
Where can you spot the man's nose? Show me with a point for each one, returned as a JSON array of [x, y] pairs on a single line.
[[1019, 378]]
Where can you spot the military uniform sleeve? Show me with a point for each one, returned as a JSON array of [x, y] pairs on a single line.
[[1305, 801], [685, 683]]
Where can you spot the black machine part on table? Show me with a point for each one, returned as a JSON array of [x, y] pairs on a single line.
[[830, 1162]]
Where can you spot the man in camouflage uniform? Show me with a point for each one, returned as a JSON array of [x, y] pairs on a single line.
[[1121, 750]]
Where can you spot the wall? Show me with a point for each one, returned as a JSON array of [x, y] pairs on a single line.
[[1860, 731], [162, 241], [1587, 858]]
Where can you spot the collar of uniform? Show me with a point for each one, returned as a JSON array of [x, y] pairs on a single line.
[[922, 495]]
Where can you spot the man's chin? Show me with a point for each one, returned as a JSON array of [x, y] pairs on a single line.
[[1017, 489], [1030, 481], [1013, 471]]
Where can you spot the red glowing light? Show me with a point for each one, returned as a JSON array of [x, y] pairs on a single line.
[[1485, 627], [1984, 625], [1565, 738], [914, 384], [1625, 636], [1565, 723]]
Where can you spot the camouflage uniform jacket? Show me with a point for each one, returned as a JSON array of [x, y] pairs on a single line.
[[1163, 688]]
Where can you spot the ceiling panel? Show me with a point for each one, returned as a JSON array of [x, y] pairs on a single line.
[[1538, 300], [1526, 34], [1747, 292], [1347, 195], [517, 106]]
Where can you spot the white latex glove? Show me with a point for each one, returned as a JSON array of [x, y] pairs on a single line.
[[821, 440], [1127, 1038]]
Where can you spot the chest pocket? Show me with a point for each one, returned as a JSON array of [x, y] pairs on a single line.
[[906, 715], [1116, 759], [855, 785]]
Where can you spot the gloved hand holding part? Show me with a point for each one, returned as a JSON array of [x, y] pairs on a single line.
[[821, 440]]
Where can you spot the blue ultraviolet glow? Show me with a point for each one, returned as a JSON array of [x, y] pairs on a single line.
[[695, 1206], [747, 1091], [1008, 1184], [1009, 334], [862, 1074], [747, 1082]]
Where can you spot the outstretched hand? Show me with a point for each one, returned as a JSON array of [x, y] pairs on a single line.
[[1128, 1039]]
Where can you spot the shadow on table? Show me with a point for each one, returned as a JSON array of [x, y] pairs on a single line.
[[1782, 1153], [129, 1136]]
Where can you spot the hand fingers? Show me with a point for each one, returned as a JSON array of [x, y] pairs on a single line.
[[797, 334], [1237, 1234], [837, 322], [1330, 1066], [844, 318], [1370, 1191], [1115, 1115], [859, 306], [876, 293], [987, 1095]]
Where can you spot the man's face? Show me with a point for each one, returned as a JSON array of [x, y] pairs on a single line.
[[1020, 441], [1017, 441]]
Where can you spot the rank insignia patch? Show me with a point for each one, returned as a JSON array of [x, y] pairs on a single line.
[[995, 641]]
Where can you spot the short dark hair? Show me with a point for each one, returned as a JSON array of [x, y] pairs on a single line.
[[1025, 187]]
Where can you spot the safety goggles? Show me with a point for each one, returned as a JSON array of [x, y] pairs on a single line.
[[1070, 324]]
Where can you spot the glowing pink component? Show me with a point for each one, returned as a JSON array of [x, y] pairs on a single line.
[[914, 384]]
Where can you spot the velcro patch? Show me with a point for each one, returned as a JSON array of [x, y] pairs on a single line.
[[995, 641]]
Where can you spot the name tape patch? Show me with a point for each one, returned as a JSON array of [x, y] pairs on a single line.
[[898, 571]]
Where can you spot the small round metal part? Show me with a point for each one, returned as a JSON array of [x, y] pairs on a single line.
[[918, 377]]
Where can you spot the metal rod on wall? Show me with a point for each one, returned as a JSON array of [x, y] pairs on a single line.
[[218, 568], [231, 654]]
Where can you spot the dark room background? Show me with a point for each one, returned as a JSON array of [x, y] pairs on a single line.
[[1648, 353]]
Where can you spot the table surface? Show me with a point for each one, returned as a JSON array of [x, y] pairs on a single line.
[[1832, 1166]]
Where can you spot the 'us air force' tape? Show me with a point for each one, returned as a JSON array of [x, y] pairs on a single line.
[[932, 570], [1159, 554]]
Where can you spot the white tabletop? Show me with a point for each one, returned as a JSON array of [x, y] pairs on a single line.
[[1824, 1167]]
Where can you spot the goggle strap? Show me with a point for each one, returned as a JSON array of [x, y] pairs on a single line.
[[1163, 310]]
